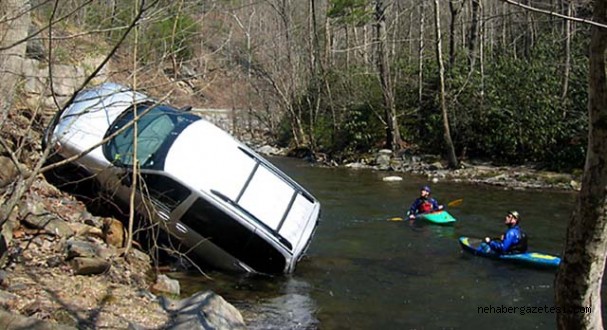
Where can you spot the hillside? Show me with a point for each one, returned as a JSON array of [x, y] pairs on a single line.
[[51, 239]]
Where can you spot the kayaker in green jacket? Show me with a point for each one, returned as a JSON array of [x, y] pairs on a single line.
[[514, 239]]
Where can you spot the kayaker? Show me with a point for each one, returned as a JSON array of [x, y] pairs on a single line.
[[424, 203], [514, 239]]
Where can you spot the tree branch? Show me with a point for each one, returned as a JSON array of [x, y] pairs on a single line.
[[555, 14]]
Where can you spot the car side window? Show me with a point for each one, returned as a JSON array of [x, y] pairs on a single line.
[[164, 189], [214, 224]]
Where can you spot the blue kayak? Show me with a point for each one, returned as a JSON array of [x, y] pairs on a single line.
[[537, 259], [440, 217]]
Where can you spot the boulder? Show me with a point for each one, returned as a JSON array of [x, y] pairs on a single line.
[[164, 284], [89, 266], [10, 321], [8, 171], [201, 311]]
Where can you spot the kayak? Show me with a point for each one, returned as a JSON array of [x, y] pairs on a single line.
[[440, 217], [537, 259]]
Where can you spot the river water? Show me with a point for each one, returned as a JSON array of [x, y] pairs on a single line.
[[363, 271]]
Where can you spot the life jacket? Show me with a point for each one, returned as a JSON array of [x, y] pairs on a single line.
[[521, 245], [424, 207]]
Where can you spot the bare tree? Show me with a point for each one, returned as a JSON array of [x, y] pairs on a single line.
[[566, 48], [420, 57], [454, 9], [281, 68], [393, 138], [451, 158], [473, 34], [579, 278]]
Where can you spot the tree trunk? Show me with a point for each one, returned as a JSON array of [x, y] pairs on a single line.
[[316, 73], [579, 278], [420, 78], [453, 9], [451, 158], [567, 50], [288, 95], [393, 139], [328, 41], [481, 55], [529, 37], [472, 37]]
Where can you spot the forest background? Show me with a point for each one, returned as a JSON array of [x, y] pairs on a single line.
[[477, 79]]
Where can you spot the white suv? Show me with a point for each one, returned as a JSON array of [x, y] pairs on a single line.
[[227, 204]]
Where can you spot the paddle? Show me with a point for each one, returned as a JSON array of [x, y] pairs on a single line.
[[452, 203], [456, 202]]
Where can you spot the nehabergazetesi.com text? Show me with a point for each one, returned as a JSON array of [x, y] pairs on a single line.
[[522, 310]]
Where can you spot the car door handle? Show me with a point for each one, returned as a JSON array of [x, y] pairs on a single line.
[[160, 209], [162, 215], [181, 228]]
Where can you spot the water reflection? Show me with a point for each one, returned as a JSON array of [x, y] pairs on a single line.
[[294, 309], [281, 302]]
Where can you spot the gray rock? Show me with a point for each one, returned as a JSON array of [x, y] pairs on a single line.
[[78, 248], [355, 165], [33, 213], [435, 166], [8, 170], [383, 160], [35, 48], [67, 78], [89, 266], [10, 321], [202, 311], [164, 284], [268, 150]]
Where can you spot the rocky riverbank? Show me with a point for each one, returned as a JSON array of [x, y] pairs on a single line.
[[65, 269], [434, 168]]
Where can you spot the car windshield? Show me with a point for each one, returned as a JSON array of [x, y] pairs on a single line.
[[157, 128]]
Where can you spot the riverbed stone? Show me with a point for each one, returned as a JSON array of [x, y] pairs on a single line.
[[167, 285], [10, 321], [202, 311], [392, 178]]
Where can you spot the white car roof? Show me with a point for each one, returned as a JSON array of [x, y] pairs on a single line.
[[86, 120]]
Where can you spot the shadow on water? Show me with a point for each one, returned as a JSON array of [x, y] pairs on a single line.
[[365, 272]]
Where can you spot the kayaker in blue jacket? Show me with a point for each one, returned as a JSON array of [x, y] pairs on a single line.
[[514, 239], [424, 203]]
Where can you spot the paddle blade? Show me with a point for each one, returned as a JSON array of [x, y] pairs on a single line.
[[456, 202], [395, 219]]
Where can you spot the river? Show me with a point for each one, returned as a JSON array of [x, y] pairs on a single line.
[[363, 271]]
